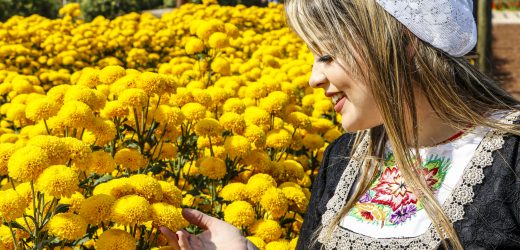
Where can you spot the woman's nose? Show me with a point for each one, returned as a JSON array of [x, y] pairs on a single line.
[[317, 77]]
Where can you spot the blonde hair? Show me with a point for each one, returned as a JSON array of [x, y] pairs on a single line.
[[384, 54]]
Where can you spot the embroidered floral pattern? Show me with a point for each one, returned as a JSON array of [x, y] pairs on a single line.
[[388, 201]]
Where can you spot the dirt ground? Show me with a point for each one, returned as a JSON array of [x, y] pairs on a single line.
[[506, 53]]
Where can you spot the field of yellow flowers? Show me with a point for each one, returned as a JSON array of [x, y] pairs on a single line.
[[109, 127]]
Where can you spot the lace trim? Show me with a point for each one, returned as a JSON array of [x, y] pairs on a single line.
[[461, 195]]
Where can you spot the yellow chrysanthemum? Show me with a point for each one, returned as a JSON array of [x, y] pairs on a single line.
[[6, 150], [240, 214], [74, 201], [131, 159], [332, 134], [296, 197], [67, 226], [76, 150], [114, 109], [256, 135], [116, 187], [257, 116], [267, 230], [193, 111], [113, 239], [130, 210], [234, 192], [208, 127], [275, 202], [147, 187], [169, 116], [166, 215], [27, 163], [89, 77], [278, 139], [212, 167], [221, 66], [234, 105], [97, 208], [133, 97], [42, 108], [313, 141], [58, 181], [278, 245], [151, 83], [275, 102], [171, 193], [76, 114], [293, 169], [110, 74], [218, 40], [233, 122], [237, 146], [257, 185], [53, 146], [101, 163], [12, 205], [194, 46], [299, 120]]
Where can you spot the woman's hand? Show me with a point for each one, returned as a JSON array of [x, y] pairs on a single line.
[[217, 235]]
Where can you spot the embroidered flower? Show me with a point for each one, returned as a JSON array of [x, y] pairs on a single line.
[[403, 214], [392, 190]]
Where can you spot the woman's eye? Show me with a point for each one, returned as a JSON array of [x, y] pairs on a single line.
[[325, 58]]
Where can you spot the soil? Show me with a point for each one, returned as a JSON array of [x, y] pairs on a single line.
[[506, 56]]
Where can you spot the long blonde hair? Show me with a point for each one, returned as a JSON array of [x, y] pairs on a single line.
[[384, 54]]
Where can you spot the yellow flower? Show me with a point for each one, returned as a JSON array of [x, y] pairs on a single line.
[[193, 111], [53, 146], [237, 146], [194, 46], [130, 210], [234, 192], [93, 98], [133, 97], [16, 112], [168, 151], [221, 66], [151, 83], [278, 245], [234, 105], [76, 150], [257, 185], [114, 109], [313, 141], [293, 169], [58, 181], [267, 230], [42, 108], [115, 239], [296, 197], [278, 139], [131, 159], [110, 74], [213, 168], [169, 116], [171, 193], [101, 163], [208, 127], [299, 120], [321, 125], [115, 187], [233, 121], [27, 163], [67, 226], [166, 215], [275, 102], [104, 131], [256, 135], [12, 205], [240, 214], [89, 77], [259, 161], [275, 202], [74, 201], [6, 150], [147, 187], [218, 40], [76, 114], [97, 208], [257, 116]]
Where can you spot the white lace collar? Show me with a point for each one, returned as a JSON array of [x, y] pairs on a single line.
[[461, 194]]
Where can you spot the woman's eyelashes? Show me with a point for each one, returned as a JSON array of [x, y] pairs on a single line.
[[325, 58]]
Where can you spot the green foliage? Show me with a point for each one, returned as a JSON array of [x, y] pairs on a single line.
[[9, 8], [114, 8]]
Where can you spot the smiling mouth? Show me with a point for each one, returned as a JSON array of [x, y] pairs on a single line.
[[336, 97]]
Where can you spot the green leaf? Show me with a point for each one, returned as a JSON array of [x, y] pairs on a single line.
[[103, 179]]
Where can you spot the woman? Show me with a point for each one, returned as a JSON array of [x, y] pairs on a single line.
[[430, 161]]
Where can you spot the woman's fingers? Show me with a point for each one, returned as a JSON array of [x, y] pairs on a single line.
[[171, 237], [198, 218], [184, 239]]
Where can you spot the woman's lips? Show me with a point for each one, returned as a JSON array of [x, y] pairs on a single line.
[[339, 104]]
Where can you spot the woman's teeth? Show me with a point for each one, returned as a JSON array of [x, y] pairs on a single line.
[[336, 97]]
